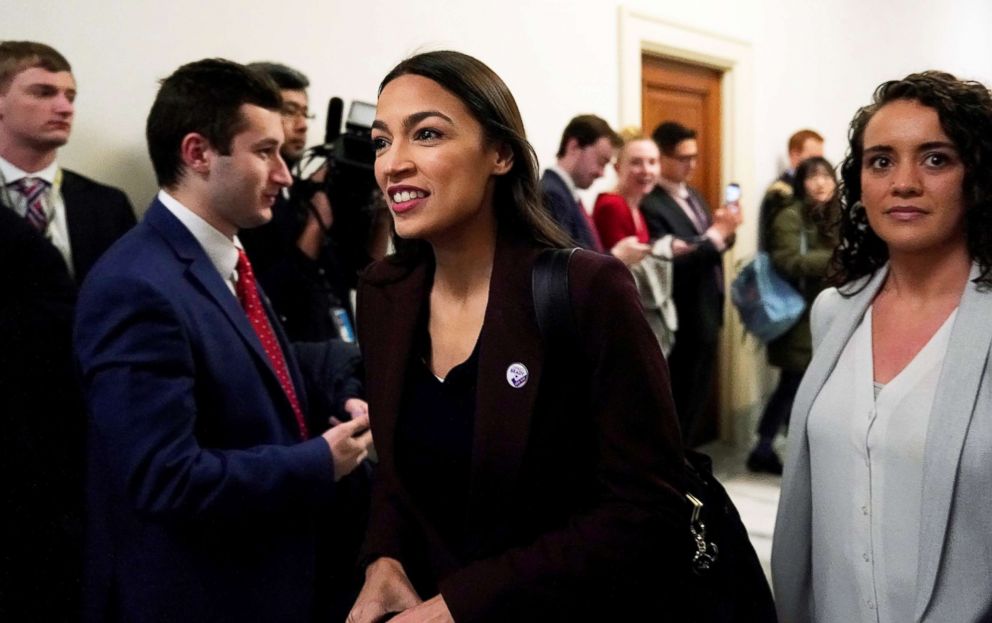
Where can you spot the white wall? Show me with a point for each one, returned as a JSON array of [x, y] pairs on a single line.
[[815, 62]]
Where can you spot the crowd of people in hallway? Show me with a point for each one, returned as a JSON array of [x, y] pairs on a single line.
[[200, 426]]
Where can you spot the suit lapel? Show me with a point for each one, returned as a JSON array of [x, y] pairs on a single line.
[[388, 351], [950, 416], [674, 214], [79, 227], [204, 276], [503, 411]]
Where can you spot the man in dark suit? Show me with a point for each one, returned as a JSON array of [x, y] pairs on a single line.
[[208, 492], [674, 208], [54, 224], [78, 215], [587, 145], [299, 263]]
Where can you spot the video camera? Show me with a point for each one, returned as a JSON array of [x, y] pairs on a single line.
[[349, 154], [349, 180]]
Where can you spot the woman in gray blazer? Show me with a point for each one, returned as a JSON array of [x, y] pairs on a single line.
[[885, 506]]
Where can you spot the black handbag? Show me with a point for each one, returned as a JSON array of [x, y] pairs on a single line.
[[723, 580]]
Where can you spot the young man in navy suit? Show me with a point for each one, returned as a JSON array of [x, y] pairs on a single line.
[[209, 491]]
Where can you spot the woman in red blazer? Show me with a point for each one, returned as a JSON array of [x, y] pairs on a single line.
[[617, 214], [514, 484]]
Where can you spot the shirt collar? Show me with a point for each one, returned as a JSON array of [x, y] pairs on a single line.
[[675, 189], [563, 174], [13, 173], [222, 251]]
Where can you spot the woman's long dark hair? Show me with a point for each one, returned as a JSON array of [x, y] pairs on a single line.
[[965, 112], [827, 215], [517, 196]]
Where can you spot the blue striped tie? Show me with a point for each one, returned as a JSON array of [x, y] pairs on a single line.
[[33, 189]]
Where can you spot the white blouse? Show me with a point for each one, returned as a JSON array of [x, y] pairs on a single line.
[[866, 469]]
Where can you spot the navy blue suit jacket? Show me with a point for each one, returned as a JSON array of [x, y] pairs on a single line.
[[203, 502], [566, 211]]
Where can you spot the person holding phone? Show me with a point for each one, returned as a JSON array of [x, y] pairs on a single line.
[[674, 208], [514, 484]]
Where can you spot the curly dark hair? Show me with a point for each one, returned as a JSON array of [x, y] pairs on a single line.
[[965, 112]]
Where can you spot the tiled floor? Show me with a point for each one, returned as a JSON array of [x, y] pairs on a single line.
[[755, 495]]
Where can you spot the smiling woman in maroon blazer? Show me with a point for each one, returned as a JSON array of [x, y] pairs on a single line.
[[513, 485]]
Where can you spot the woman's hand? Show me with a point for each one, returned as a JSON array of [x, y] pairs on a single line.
[[629, 251], [434, 610], [386, 590]]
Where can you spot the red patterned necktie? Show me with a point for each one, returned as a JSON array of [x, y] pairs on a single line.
[[33, 190], [597, 243], [248, 295]]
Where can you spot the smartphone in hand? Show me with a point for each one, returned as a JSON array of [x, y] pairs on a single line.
[[732, 197]]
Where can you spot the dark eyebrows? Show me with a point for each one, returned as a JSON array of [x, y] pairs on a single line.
[[878, 149], [46, 88], [887, 149], [413, 120], [938, 145]]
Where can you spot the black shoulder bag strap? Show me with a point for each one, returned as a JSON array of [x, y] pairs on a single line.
[[552, 300]]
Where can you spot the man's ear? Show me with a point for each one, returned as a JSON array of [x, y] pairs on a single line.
[[504, 159], [572, 145], [196, 153]]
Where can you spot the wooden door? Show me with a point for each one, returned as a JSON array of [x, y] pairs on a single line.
[[689, 94]]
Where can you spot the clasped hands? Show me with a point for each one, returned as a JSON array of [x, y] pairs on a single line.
[[387, 590]]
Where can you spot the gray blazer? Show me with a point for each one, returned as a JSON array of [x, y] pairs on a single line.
[[953, 580]]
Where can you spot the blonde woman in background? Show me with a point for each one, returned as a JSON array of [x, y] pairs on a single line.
[[618, 217]]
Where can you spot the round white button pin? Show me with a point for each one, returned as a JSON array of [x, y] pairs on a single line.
[[517, 375]]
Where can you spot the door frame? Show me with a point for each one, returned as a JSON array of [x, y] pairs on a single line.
[[743, 373]]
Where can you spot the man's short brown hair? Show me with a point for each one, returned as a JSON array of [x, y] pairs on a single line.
[[16, 56], [586, 130], [797, 140]]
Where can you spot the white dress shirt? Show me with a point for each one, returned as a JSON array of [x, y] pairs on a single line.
[[222, 251], [680, 193], [866, 470], [569, 182], [58, 229]]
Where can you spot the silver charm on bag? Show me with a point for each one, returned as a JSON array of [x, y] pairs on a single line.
[[706, 553]]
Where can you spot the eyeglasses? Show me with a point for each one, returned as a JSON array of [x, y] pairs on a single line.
[[292, 111]]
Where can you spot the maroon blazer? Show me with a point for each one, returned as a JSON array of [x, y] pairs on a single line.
[[573, 507]]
